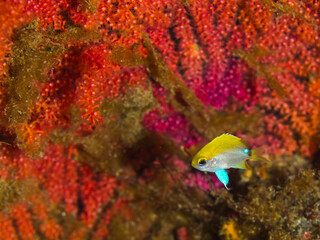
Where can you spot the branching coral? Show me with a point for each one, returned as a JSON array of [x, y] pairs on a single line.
[[84, 194], [104, 102]]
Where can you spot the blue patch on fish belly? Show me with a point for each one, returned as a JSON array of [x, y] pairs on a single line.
[[222, 175]]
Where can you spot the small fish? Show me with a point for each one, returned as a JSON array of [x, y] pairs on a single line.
[[223, 152]]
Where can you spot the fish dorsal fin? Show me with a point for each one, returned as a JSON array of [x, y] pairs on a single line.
[[225, 142], [220, 144], [229, 134], [242, 165]]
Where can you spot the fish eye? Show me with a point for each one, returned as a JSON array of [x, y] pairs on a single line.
[[202, 162]]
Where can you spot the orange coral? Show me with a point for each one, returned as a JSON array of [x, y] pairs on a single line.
[[51, 230], [12, 15], [96, 190], [23, 221]]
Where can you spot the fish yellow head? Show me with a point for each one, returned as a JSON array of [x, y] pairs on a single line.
[[201, 160]]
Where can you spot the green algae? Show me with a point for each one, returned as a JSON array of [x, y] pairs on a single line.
[[160, 208], [33, 55], [104, 147], [13, 191], [127, 57], [127, 112], [276, 212], [284, 205], [280, 8]]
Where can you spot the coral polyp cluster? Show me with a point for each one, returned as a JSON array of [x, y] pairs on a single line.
[[104, 103]]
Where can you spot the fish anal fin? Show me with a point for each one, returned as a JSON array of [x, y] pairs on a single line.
[[223, 177]]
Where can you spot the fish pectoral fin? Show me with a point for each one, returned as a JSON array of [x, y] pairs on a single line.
[[242, 165]]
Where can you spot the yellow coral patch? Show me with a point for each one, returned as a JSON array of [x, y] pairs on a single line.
[[246, 175], [229, 231]]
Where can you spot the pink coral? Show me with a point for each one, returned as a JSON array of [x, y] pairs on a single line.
[[217, 92], [204, 182], [174, 125]]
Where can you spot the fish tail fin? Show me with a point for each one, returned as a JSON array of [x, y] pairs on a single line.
[[243, 165], [256, 154]]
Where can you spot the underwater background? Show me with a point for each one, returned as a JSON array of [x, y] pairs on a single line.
[[104, 104]]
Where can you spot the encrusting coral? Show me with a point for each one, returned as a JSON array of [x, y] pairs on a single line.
[[103, 104]]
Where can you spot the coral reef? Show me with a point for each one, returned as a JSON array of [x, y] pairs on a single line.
[[104, 103]]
